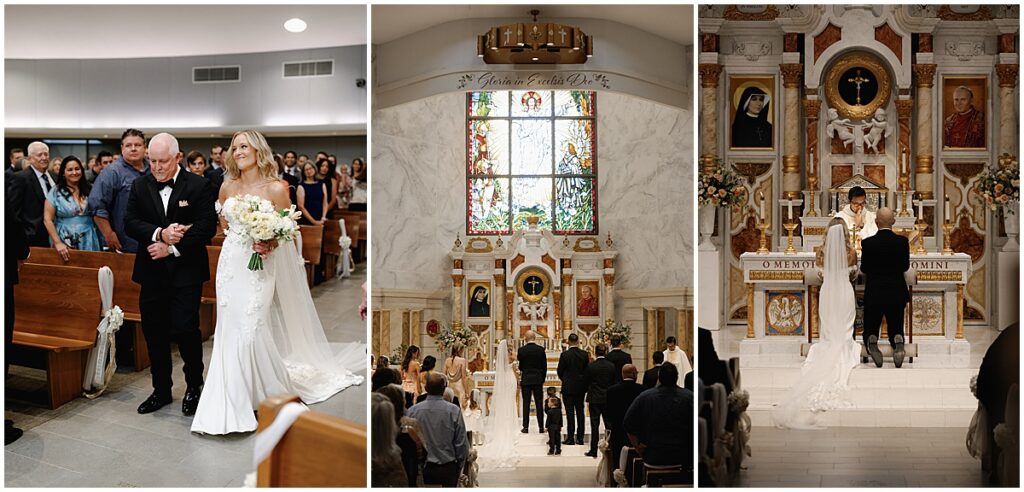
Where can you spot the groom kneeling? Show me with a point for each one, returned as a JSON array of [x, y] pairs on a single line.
[[884, 259]]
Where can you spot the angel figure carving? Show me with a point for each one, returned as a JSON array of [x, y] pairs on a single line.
[[837, 126], [534, 310], [877, 129]]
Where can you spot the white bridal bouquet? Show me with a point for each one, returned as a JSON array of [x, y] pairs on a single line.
[[256, 220]]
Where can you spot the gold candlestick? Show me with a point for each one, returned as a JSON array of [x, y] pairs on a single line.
[[921, 227], [812, 185], [946, 228], [764, 239], [790, 227], [904, 187]]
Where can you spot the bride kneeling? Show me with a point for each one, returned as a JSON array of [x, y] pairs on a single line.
[[268, 339], [822, 384]]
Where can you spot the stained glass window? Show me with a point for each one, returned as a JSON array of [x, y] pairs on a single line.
[[531, 153]]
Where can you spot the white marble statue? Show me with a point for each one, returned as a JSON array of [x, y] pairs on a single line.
[[839, 126], [877, 129]]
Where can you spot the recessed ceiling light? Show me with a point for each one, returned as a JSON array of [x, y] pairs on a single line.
[[295, 25]]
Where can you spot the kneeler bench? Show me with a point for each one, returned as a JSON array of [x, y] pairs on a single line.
[[57, 309]]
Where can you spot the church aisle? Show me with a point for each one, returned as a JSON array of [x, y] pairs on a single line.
[[537, 469], [106, 443]]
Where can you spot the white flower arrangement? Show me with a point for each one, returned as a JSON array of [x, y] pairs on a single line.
[[611, 327], [450, 336], [254, 218]]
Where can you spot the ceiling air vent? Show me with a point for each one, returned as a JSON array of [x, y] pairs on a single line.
[[314, 68], [215, 75]]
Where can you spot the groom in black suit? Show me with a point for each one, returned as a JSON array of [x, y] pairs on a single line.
[[884, 258], [171, 214], [533, 369], [572, 367]]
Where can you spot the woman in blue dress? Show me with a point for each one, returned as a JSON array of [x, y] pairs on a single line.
[[312, 197], [64, 215]]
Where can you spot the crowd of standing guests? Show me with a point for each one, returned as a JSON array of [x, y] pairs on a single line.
[[66, 204]]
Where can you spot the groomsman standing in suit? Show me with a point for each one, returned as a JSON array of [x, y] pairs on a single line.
[[884, 259], [600, 376], [572, 366], [533, 369], [171, 214], [618, 356], [651, 375], [28, 192]]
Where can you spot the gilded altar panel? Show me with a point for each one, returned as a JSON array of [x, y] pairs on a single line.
[[784, 313], [737, 290], [976, 292], [929, 313]]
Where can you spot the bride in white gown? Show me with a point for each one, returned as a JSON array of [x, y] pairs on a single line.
[[824, 375], [501, 426], [268, 339]]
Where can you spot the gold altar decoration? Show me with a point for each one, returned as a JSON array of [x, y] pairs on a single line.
[[940, 276], [535, 43], [960, 312], [776, 275], [790, 227], [750, 310], [533, 284], [764, 239], [921, 227], [871, 69], [947, 228]]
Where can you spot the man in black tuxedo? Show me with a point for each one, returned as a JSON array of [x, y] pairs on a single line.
[[572, 366], [533, 369], [651, 375], [620, 397], [171, 214], [288, 177], [618, 356], [28, 189], [599, 377], [16, 250], [884, 258]]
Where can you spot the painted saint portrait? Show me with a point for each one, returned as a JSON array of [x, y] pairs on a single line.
[[587, 300], [751, 112], [479, 300], [963, 112]]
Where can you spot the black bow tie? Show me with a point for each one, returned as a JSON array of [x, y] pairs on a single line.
[[165, 184]]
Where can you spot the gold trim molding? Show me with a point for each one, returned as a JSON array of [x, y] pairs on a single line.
[[521, 284], [852, 60], [940, 276], [709, 73], [776, 275]]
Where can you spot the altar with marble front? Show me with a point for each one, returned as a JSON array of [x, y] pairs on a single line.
[[783, 308]]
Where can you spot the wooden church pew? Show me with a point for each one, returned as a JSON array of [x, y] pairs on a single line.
[[312, 243]]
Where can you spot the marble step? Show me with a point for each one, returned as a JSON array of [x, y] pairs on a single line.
[[880, 417], [932, 352], [883, 398], [910, 376]]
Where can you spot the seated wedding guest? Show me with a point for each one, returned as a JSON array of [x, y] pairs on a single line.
[[108, 200], [385, 456], [103, 159], [28, 189], [326, 173], [998, 371], [408, 439], [712, 369], [651, 375], [659, 423], [64, 213], [196, 163], [620, 397], [384, 375], [444, 435]]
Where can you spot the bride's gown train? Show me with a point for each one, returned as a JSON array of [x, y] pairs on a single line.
[[268, 340], [822, 384], [501, 428]]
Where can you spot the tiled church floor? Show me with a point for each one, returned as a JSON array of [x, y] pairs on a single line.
[[537, 469], [860, 457], [105, 442]]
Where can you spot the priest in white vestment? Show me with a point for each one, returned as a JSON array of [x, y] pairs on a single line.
[[857, 214], [675, 356]]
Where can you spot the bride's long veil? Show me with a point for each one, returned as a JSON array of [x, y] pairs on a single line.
[[318, 368], [824, 375], [501, 424]]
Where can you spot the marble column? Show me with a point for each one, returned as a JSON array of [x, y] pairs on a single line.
[[1007, 109], [924, 170], [457, 298], [609, 296], [812, 107], [651, 340], [557, 313], [709, 73], [497, 296], [415, 326], [792, 74], [904, 107]]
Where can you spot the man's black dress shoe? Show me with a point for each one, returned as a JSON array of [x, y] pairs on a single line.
[[898, 352], [153, 403], [11, 433], [568, 441], [579, 441], [525, 430], [592, 454], [872, 346], [191, 400]]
